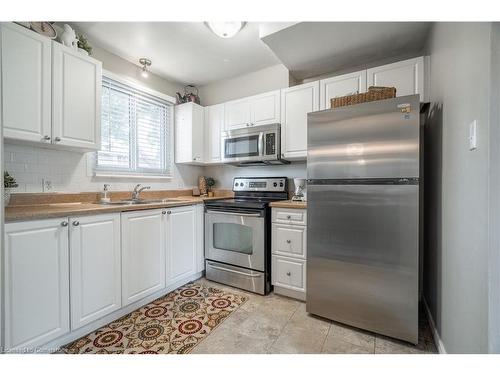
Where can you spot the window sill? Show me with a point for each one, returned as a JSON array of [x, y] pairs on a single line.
[[131, 176]]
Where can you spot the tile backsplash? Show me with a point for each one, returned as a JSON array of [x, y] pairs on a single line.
[[68, 171]]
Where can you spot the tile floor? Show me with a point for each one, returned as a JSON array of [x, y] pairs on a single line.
[[280, 325]]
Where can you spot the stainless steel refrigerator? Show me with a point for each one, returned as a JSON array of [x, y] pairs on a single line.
[[363, 170]]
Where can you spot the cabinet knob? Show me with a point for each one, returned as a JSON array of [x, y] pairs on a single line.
[[64, 224], [76, 223], [169, 212], [164, 212], [288, 217], [288, 273], [46, 137], [248, 124], [288, 241], [57, 139]]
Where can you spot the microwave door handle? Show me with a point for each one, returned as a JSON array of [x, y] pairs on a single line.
[[261, 144], [232, 213]]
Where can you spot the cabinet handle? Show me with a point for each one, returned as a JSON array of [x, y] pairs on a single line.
[[288, 273], [47, 138], [57, 139], [76, 223], [288, 241], [64, 224]]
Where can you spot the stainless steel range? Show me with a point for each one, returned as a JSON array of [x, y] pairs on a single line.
[[238, 233]]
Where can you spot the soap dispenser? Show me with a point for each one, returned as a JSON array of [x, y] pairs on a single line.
[[104, 196]]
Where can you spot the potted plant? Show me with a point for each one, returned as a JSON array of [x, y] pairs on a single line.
[[83, 45], [9, 183], [210, 184]]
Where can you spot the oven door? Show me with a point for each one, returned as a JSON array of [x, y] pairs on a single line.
[[235, 238]]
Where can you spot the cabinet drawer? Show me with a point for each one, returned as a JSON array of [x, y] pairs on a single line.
[[289, 273], [289, 216], [289, 240]]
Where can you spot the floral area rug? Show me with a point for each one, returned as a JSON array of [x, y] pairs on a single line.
[[175, 323]]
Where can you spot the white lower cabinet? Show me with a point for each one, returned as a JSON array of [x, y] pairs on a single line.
[[289, 251], [143, 253], [36, 282], [95, 267], [181, 243]]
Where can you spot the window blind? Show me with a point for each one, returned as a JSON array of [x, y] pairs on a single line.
[[135, 131]]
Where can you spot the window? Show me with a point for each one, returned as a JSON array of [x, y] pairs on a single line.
[[135, 131]]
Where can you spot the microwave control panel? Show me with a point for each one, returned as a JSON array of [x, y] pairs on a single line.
[[270, 143]]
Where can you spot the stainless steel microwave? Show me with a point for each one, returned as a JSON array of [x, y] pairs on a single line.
[[256, 145]]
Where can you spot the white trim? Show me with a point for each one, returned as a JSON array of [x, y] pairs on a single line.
[[435, 334], [130, 175], [138, 85]]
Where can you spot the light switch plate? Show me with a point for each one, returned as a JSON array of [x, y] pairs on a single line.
[[473, 135]]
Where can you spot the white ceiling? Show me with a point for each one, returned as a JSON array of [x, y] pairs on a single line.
[[310, 49], [185, 52]]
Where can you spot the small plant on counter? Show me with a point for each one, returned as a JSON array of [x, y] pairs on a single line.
[[210, 184], [9, 183]]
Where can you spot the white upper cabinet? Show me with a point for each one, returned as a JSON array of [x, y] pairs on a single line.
[[26, 84], [36, 282], [76, 98], [143, 254], [51, 94], [237, 114], [260, 109], [265, 108], [181, 243], [214, 124], [296, 103], [95, 249], [189, 133], [407, 76], [343, 85]]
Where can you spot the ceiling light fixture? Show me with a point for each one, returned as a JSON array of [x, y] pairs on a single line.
[[225, 29], [145, 63]]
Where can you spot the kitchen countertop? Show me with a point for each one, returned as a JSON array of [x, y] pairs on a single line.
[[289, 204], [63, 209]]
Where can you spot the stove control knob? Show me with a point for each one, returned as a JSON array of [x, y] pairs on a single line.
[[281, 184], [275, 184]]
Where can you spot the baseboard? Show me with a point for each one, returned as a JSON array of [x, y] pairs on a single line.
[[437, 339]]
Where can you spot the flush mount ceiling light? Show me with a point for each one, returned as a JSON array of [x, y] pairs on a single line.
[[145, 63], [225, 29]]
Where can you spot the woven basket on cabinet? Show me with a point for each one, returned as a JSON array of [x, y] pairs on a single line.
[[374, 93]]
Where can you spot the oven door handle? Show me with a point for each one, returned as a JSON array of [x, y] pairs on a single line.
[[233, 213], [234, 271]]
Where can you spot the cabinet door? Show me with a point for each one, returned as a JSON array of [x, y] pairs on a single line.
[[143, 254], [76, 98], [296, 103], [200, 237], [346, 84], [26, 84], [407, 76], [95, 267], [214, 124], [265, 108], [189, 133], [237, 114], [181, 243], [36, 282]]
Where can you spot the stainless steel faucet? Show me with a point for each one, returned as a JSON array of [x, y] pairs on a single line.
[[138, 189]]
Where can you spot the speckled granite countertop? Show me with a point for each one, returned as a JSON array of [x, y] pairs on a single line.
[[40, 206], [288, 204]]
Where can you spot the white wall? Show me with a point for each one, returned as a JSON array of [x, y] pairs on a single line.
[[457, 190], [267, 79], [68, 170]]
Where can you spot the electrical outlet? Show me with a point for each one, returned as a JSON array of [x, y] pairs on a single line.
[[46, 185]]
